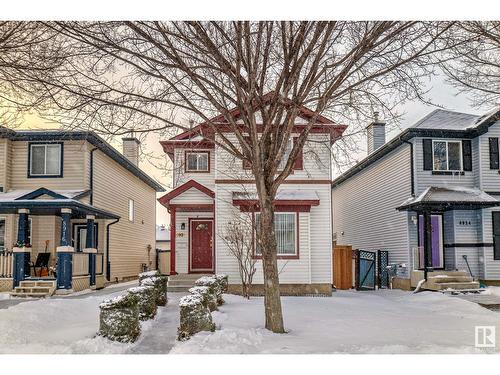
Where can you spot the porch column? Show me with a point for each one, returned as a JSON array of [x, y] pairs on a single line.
[[427, 243], [22, 253], [90, 249], [65, 254], [172, 242]]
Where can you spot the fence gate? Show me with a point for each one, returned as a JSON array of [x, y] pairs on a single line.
[[342, 267], [163, 261], [383, 272], [365, 270]]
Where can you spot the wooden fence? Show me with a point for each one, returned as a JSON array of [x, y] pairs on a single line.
[[6, 264], [342, 266]]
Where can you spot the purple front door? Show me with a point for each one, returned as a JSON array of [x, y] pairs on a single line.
[[437, 240]]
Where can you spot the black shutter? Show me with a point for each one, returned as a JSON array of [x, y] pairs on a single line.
[[496, 235], [467, 154], [494, 162], [427, 143]]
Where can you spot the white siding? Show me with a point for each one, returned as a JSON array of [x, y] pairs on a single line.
[[364, 206], [490, 179], [192, 196]]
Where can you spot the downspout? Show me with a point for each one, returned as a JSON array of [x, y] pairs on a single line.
[[108, 263], [91, 176], [412, 171]]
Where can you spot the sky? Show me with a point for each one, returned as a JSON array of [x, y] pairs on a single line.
[[440, 93]]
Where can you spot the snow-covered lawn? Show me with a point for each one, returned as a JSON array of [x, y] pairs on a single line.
[[350, 322], [69, 325]]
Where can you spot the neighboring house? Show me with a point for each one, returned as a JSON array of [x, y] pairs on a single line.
[[56, 188], [162, 237], [430, 196], [211, 188]]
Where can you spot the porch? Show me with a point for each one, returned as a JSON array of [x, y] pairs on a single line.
[[446, 225], [54, 240]]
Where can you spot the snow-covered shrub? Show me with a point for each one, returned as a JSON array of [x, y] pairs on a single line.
[[145, 275], [160, 285], [146, 301], [194, 317], [209, 299], [222, 281], [119, 318], [213, 286]]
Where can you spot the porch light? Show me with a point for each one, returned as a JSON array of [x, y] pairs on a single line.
[[414, 219], [183, 226]]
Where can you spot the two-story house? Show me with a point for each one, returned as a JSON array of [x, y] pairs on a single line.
[[212, 189], [429, 197], [75, 205]]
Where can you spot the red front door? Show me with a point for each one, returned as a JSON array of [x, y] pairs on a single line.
[[201, 245]]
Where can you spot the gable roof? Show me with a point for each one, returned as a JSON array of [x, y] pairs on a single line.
[[454, 125], [182, 188], [91, 137]]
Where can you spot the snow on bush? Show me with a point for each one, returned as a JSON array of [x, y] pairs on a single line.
[[194, 317], [159, 283], [146, 301], [145, 275], [119, 318], [216, 284], [209, 299]]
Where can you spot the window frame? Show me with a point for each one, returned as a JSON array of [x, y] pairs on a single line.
[[131, 210], [447, 156], [4, 220], [77, 227], [60, 174], [186, 168], [296, 254], [495, 255], [285, 157]]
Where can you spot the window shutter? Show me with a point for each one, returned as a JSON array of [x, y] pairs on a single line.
[[246, 164], [299, 162], [494, 161], [467, 155], [427, 145]]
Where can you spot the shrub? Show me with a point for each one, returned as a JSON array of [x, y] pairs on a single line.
[[160, 285], [146, 301], [194, 317], [119, 318]]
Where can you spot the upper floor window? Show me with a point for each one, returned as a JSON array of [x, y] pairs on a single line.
[[45, 160], [197, 161], [447, 155], [131, 210], [286, 155]]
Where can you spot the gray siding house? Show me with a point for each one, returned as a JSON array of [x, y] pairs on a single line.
[[430, 196]]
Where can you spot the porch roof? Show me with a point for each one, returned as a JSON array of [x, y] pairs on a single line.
[[292, 200], [49, 202], [449, 198]]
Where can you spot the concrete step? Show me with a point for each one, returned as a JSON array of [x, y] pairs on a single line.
[[451, 285], [179, 288], [450, 279], [27, 284], [449, 273], [35, 289], [29, 295], [176, 282]]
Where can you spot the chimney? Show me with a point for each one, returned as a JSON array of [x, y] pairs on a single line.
[[131, 149], [375, 133]]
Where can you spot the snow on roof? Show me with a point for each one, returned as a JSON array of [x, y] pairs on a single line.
[[162, 233], [15, 194], [447, 120], [450, 194], [286, 195]]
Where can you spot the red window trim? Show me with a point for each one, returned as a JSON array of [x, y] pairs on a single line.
[[294, 256], [186, 152]]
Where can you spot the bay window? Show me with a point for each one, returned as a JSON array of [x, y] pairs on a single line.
[[285, 229], [447, 155]]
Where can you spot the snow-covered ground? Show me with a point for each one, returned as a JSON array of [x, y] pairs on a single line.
[[350, 322], [69, 325]]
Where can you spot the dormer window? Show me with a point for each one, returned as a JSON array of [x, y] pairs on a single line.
[[197, 161], [447, 155], [45, 160]]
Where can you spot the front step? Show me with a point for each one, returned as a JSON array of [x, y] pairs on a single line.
[[181, 283], [34, 288], [450, 279], [451, 285]]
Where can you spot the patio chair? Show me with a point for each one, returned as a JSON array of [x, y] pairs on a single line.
[[42, 262]]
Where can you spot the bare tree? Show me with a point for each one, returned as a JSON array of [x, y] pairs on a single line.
[[238, 238], [472, 63], [118, 77]]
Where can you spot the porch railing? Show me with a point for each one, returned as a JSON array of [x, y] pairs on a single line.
[[6, 263], [80, 264], [99, 263]]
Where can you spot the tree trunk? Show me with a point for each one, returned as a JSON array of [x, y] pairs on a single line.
[[272, 301]]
